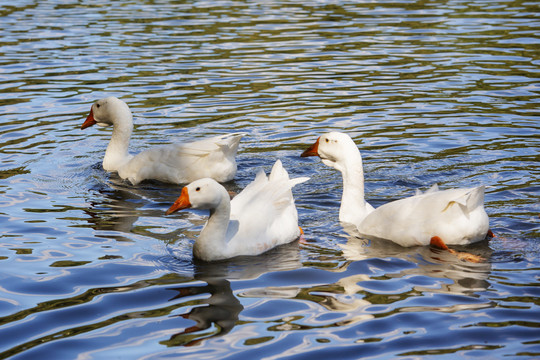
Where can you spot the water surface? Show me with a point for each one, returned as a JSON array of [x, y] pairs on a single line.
[[431, 92]]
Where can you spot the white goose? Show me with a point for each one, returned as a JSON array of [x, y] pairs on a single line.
[[175, 163], [454, 216], [259, 218]]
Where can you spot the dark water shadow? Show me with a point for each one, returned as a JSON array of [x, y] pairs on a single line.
[[217, 314]]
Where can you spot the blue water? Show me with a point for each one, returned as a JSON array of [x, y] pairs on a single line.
[[431, 92]]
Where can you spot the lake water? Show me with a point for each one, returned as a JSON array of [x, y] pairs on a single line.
[[440, 92]]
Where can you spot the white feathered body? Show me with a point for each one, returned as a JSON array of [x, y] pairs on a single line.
[[455, 215], [176, 163], [261, 217], [183, 163], [264, 213]]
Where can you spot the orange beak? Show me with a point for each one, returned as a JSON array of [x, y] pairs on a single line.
[[181, 203], [313, 150], [89, 120]]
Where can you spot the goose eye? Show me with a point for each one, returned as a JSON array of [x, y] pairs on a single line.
[[327, 140], [98, 105], [198, 188]]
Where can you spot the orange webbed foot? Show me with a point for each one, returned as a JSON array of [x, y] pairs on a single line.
[[470, 257], [301, 238], [438, 243]]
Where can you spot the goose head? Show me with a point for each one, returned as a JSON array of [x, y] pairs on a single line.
[[201, 194], [106, 112], [334, 149]]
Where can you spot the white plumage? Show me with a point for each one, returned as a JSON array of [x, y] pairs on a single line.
[[455, 216], [176, 163], [259, 218]]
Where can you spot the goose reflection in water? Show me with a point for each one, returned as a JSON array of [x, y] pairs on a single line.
[[465, 277], [117, 212], [222, 309], [219, 313], [117, 206]]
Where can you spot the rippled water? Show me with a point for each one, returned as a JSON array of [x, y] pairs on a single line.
[[432, 92]]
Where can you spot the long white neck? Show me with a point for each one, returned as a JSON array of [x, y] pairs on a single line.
[[117, 154], [353, 204], [212, 242]]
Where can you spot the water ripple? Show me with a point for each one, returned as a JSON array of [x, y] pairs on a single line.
[[431, 92]]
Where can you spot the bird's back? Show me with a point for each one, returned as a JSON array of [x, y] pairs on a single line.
[[264, 215], [457, 216], [184, 163]]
